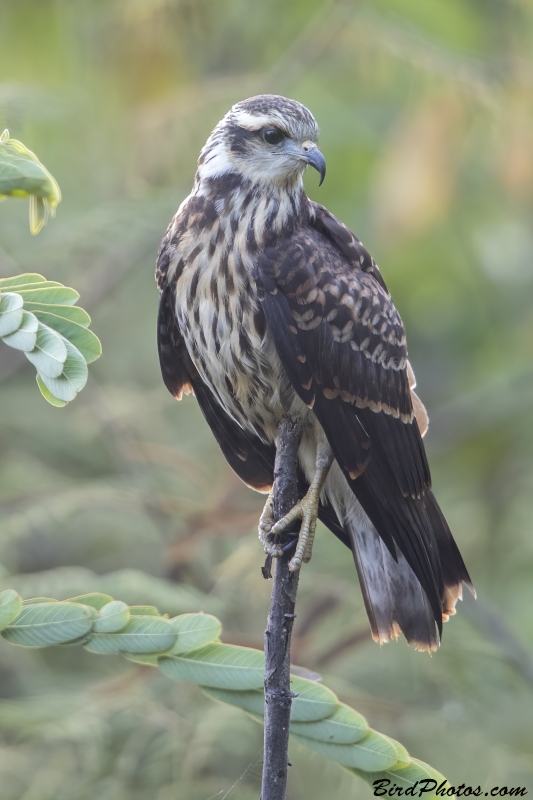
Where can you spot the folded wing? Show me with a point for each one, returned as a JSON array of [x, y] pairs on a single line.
[[342, 344]]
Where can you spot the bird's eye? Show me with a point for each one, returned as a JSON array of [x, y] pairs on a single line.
[[272, 136]]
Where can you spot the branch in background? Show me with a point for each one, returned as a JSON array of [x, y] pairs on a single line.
[[354, 639], [482, 614]]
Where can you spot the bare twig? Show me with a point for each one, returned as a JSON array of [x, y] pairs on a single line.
[[496, 628], [278, 696]]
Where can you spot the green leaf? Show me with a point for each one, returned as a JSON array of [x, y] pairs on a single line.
[[73, 313], [113, 617], [72, 379], [90, 609], [53, 295], [426, 769], [21, 280], [308, 704], [38, 213], [33, 285], [374, 753], [314, 701], [11, 313], [25, 338], [406, 777], [372, 749], [344, 726], [96, 600], [194, 631], [84, 340], [44, 624], [54, 401], [34, 600], [49, 355], [23, 175], [10, 607], [219, 666], [402, 756], [141, 635], [144, 611], [251, 701], [148, 659]]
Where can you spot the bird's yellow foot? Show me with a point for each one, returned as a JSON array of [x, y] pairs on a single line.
[[307, 510]]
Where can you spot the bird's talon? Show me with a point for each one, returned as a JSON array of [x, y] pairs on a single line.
[[295, 564]]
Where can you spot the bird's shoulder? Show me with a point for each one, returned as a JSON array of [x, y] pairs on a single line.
[[344, 240]]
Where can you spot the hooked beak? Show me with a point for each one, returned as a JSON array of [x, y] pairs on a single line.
[[314, 158]]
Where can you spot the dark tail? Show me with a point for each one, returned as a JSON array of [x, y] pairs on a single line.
[[394, 598]]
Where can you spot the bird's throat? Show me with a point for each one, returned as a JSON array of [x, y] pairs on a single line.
[[260, 211]]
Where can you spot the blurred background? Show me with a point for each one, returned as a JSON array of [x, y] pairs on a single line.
[[426, 112]]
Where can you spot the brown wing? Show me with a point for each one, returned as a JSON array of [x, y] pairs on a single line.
[[359, 258], [342, 344]]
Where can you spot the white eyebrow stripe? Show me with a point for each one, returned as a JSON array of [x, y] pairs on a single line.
[[252, 122]]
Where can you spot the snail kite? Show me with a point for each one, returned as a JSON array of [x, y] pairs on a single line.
[[270, 307]]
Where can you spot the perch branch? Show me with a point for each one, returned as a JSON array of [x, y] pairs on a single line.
[[278, 695]]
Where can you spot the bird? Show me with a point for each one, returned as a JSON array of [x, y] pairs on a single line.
[[271, 308]]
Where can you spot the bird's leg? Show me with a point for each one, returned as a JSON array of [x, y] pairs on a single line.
[[306, 510]]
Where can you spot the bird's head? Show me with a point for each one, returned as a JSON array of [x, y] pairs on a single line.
[[267, 139]]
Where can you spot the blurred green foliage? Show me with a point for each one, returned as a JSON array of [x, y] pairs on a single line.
[[426, 113], [23, 175]]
